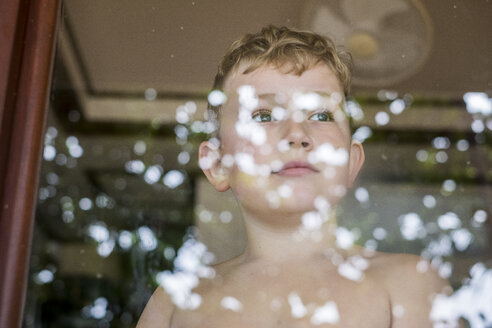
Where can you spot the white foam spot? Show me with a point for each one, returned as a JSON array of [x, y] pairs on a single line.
[[379, 233], [449, 221], [150, 94], [98, 232], [441, 156], [362, 133], [125, 239], [284, 190], [397, 106], [422, 155], [472, 301], [183, 158], [153, 174], [173, 179], [44, 276], [478, 126], [449, 185], [326, 153], [297, 308], [247, 97], [308, 101], [148, 241], [85, 204], [312, 221], [461, 239], [225, 216], [231, 303], [441, 143], [382, 118], [462, 145], [361, 194], [478, 103], [327, 313], [398, 310], [349, 271], [344, 238], [49, 153], [480, 216], [135, 166], [429, 201], [279, 113], [354, 110], [227, 160], [216, 98], [246, 163], [410, 225]]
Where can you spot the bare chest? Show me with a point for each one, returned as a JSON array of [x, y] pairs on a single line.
[[291, 300]]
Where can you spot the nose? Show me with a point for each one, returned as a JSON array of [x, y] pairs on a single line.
[[297, 135]]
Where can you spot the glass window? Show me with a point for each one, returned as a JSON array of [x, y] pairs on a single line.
[[123, 205]]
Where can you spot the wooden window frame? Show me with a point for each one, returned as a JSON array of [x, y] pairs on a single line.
[[27, 39]]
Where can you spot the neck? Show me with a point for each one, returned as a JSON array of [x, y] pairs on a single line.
[[298, 242]]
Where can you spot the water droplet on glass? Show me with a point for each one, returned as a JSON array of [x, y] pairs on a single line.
[[429, 201], [477, 126], [449, 185], [362, 195], [410, 226], [422, 155], [441, 156], [449, 221], [379, 233], [441, 143], [49, 153], [135, 166], [139, 148], [478, 103], [85, 204], [362, 133], [150, 94], [183, 158], [153, 174], [397, 106], [462, 145], [382, 118], [225, 216], [231, 303], [125, 239], [216, 98], [147, 240], [173, 179]]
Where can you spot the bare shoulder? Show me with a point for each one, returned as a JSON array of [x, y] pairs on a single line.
[[158, 311], [411, 269], [412, 284]]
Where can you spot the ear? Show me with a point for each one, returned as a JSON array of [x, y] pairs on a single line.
[[356, 160], [209, 161]]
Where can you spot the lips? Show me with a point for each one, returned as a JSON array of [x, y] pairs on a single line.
[[296, 169]]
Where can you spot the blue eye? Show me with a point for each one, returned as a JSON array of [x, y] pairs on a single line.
[[322, 116], [262, 116]]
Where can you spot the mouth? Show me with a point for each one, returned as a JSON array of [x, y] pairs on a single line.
[[296, 169]]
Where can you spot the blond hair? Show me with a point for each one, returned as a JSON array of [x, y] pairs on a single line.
[[293, 50]]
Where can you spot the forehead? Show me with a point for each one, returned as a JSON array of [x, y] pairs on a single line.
[[274, 81]]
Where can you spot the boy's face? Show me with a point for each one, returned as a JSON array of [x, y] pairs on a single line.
[[285, 141]]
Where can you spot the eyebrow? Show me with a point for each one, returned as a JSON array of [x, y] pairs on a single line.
[[273, 95], [267, 96]]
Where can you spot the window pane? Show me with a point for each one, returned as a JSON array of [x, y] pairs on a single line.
[[123, 205]]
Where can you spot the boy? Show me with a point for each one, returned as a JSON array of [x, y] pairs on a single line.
[[283, 146]]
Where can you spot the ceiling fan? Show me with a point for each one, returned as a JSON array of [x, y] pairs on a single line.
[[389, 39]]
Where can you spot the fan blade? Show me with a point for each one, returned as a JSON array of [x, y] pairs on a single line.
[[325, 21], [367, 14]]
